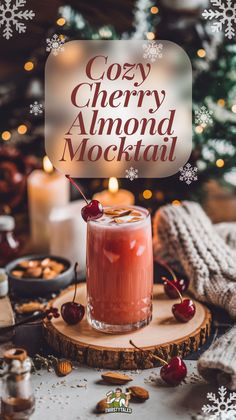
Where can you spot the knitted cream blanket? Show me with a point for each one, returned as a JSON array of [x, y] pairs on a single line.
[[186, 239]]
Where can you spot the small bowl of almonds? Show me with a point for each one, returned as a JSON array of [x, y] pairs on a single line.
[[39, 274]]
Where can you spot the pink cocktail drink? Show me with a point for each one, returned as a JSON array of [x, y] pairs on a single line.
[[120, 270]]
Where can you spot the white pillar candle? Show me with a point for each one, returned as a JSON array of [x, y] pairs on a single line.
[[68, 233], [115, 196], [47, 189]]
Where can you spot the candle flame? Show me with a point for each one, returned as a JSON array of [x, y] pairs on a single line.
[[113, 185], [47, 165]]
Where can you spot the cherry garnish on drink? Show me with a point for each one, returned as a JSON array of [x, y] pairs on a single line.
[[181, 284], [92, 210], [185, 310], [172, 372], [73, 312]]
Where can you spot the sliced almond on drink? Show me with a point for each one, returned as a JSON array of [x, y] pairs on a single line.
[[111, 212], [138, 393], [134, 219], [116, 378], [135, 213], [118, 221], [124, 213]]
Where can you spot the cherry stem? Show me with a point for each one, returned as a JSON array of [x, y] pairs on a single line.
[[152, 355], [168, 268], [77, 187], [174, 286], [76, 281]]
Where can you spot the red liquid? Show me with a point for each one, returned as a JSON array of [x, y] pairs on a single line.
[[120, 271]]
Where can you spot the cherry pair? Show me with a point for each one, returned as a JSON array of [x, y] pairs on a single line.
[[185, 310]]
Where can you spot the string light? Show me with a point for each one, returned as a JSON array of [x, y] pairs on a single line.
[[220, 163], [150, 36], [6, 135], [159, 195], [176, 203], [61, 21], [28, 66], [234, 108], [221, 102], [201, 53], [147, 194], [22, 129], [154, 10], [199, 129]]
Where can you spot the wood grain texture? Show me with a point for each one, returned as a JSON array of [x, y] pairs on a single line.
[[164, 336]]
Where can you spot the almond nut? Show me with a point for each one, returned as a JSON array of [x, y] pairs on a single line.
[[29, 307], [49, 274], [116, 378], [33, 272], [101, 406], [34, 263], [18, 274], [64, 367], [23, 264], [138, 393]]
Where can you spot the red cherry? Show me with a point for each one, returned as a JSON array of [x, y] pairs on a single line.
[[174, 371], [92, 211], [181, 284], [185, 310], [72, 312]]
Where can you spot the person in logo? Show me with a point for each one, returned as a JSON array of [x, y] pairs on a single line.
[[117, 399]]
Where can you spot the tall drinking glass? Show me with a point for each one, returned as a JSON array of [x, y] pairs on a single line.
[[120, 270]]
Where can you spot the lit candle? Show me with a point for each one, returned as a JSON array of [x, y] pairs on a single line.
[[47, 190], [115, 196]]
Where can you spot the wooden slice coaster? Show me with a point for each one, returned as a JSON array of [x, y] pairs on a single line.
[[164, 336]]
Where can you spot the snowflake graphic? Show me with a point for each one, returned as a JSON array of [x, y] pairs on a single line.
[[131, 173], [224, 15], [203, 116], [55, 44], [152, 51], [188, 173], [36, 108], [222, 407], [11, 17]]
